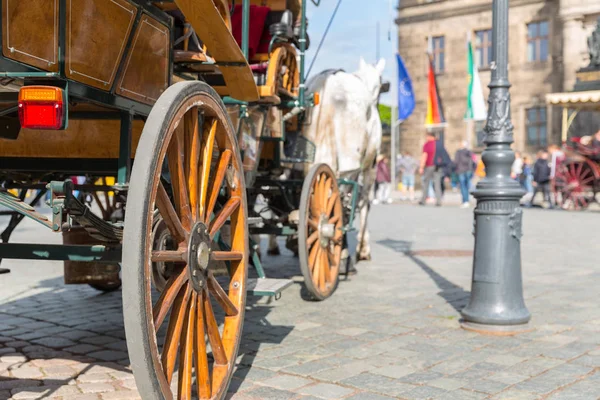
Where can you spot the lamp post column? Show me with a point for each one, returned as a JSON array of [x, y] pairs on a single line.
[[496, 305]]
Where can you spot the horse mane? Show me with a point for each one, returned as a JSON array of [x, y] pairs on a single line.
[[317, 82]]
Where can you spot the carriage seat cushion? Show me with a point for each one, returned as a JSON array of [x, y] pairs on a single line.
[[258, 16]]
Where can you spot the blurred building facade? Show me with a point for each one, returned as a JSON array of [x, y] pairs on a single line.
[[547, 45]]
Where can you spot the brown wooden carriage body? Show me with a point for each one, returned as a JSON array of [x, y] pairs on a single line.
[[172, 101]]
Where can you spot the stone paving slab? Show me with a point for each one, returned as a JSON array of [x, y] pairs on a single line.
[[390, 332]]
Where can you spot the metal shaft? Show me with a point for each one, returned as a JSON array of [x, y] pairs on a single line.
[[496, 302], [245, 27], [302, 42]]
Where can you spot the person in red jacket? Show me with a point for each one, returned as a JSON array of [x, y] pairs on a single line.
[[429, 171], [383, 179]]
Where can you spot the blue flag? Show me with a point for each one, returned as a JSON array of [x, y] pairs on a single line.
[[406, 96]]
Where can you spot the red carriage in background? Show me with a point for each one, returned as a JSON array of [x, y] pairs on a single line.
[[577, 176], [577, 170]]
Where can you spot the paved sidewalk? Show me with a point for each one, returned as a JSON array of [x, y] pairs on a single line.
[[390, 332]]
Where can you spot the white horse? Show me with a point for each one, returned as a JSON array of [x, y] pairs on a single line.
[[346, 129]]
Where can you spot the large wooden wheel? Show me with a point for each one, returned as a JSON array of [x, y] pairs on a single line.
[[183, 339], [320, 232], [575, 180]]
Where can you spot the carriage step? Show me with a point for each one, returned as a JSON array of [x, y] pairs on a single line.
[[268, 286], [260, 286]]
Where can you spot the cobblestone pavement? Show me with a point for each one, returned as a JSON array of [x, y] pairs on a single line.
[[391, 332]]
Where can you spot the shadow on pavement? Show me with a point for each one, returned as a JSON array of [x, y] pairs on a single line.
[[454, 295], [61, 339]]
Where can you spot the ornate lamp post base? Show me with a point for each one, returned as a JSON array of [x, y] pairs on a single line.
[[496, 305], [496, 330]]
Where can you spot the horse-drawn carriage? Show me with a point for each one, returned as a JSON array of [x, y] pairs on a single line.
[[195, 108], [577, 177]]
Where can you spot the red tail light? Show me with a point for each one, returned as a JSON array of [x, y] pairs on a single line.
[[42, 107]]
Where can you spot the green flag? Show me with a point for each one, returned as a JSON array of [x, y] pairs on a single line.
[[475, 102]]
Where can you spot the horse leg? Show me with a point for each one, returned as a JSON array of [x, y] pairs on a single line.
[[273, 249], [363, 250]]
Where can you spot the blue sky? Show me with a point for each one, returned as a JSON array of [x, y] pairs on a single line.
[[352, 34]]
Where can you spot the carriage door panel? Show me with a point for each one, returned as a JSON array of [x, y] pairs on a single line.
[[97, 33], [146, 74], [30, 32]]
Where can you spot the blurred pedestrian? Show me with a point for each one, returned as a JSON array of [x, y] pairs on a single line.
[[517, 166], [407, 167], [428, 170], [383, 179], [527, 175], [557, 157], [463, 160], [541, 178], [444, 163]]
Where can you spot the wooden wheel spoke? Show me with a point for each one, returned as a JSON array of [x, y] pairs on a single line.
[[579, 169], [202, 372], [313, 224], [334, 219], [192, 144], [167, 297], [184, 387], [169, 354], [176, 161], [323, 192], [169, 256], [221, 296], [312, 238], [208, 144], [587, 181], [169, 215], [227, 255], [222, 216], [585, 173], [312, 257], [213, 333], [314, 203], [324, 270], [224, 161], [334, 261], [316, 272], [331, 203]]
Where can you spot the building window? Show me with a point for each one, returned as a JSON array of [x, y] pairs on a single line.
[[483, 48], [536, 126], [438, 54], [537, 41]]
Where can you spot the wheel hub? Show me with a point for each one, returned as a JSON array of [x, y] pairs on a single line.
[[199, 250], [326, 231]]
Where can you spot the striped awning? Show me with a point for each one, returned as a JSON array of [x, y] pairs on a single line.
[[584, 99]]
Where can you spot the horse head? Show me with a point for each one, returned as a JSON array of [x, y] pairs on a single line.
[[371, 75]]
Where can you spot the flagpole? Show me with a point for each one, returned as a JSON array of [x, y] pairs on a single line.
[[469, 121], [393, 141]]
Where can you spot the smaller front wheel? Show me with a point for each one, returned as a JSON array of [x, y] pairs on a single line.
[[320, 232]]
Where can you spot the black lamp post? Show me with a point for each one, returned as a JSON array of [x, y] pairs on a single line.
[[496, 305]]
